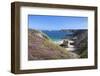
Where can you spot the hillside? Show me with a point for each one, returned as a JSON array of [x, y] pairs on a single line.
[[40, 47]]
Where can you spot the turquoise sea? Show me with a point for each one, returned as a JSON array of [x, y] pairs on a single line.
[[57, 35]]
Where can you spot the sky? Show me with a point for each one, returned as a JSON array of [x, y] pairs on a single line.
[[47, 22]]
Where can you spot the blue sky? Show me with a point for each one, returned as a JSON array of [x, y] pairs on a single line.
[[47, 22]]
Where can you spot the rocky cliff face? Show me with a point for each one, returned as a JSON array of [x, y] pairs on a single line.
[[81, 43], [40, 47]]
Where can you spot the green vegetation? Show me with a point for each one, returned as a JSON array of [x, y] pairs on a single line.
[[84, 54]]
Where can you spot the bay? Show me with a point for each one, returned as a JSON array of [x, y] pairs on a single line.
[[57, 35]]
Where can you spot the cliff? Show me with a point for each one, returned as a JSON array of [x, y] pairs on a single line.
[[81, 43]]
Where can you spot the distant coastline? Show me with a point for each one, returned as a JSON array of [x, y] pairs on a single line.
[[57, 36]]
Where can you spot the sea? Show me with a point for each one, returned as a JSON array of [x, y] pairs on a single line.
[[57, 35]]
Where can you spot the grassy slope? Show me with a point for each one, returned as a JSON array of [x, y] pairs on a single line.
[[41, 47]]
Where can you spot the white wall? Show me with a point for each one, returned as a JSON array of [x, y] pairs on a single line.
[[5, 32]]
